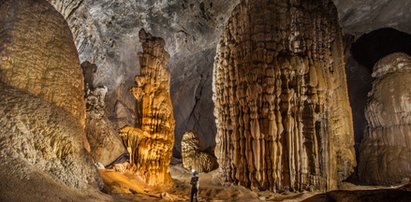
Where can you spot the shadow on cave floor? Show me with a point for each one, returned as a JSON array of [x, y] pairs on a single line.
[[402, 194]]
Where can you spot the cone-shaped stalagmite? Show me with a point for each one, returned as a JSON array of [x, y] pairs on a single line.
[[150, 143], [281, 103]]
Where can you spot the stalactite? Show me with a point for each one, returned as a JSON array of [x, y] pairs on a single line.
[[283, 115], [385, 152], [150, 143]]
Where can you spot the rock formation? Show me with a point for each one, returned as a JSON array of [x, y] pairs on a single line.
[[42, 111], [105, 145], [150, 144], [36, 135], [283, 115], [192, 157], [385, 151]]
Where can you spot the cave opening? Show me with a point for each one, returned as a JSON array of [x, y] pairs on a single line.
[[371, 47]]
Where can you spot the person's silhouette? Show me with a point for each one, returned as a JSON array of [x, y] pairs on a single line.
[[195, 185]]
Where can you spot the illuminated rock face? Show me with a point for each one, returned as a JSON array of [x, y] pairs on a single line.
[[42, 111], [283, 114], [38, 137], [192, 157], [385, 151], [150, 144], [38, 55]]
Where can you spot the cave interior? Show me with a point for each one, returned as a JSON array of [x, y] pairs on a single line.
[[205, 100]]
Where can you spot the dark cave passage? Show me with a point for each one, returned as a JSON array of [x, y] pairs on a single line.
[[373, 46]]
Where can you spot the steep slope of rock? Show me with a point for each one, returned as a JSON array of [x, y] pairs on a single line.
[[385, 151], [150, 144], [283, 114]]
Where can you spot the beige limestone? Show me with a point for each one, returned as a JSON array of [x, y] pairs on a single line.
[[385, 151], [283, 115], [192, 157]]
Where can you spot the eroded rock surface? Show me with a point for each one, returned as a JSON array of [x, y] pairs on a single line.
[[45, 62], [283, 114], [150, 144], [385, 151], [192, 156], [46, 137], [42, 111]]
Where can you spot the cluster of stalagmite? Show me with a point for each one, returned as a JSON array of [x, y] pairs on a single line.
[[42, 111], [192, 157], [150, 143], [385, 152], [283, 114]]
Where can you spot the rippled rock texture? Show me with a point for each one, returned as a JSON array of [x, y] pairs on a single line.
[[283, 115], [42, 111], [192, 156], [150, 144], [385, 151]]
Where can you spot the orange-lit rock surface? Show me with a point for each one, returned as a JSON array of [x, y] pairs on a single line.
[[38, 55], [385, 152], [150, 143], [42, 111], [283, 115]]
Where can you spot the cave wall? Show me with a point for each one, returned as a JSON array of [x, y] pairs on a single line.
[[281, 103], [105, 34]]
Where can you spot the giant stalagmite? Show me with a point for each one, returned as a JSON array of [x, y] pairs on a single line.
[[283, 114], [385, 151], [150, 144], [42, 111]]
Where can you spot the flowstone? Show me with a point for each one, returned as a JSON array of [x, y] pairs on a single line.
[[283, 115]]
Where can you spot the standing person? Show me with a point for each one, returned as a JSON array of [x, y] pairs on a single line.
[[195, 185]]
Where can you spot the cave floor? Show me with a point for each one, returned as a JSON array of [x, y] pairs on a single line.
[[210, 191]]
